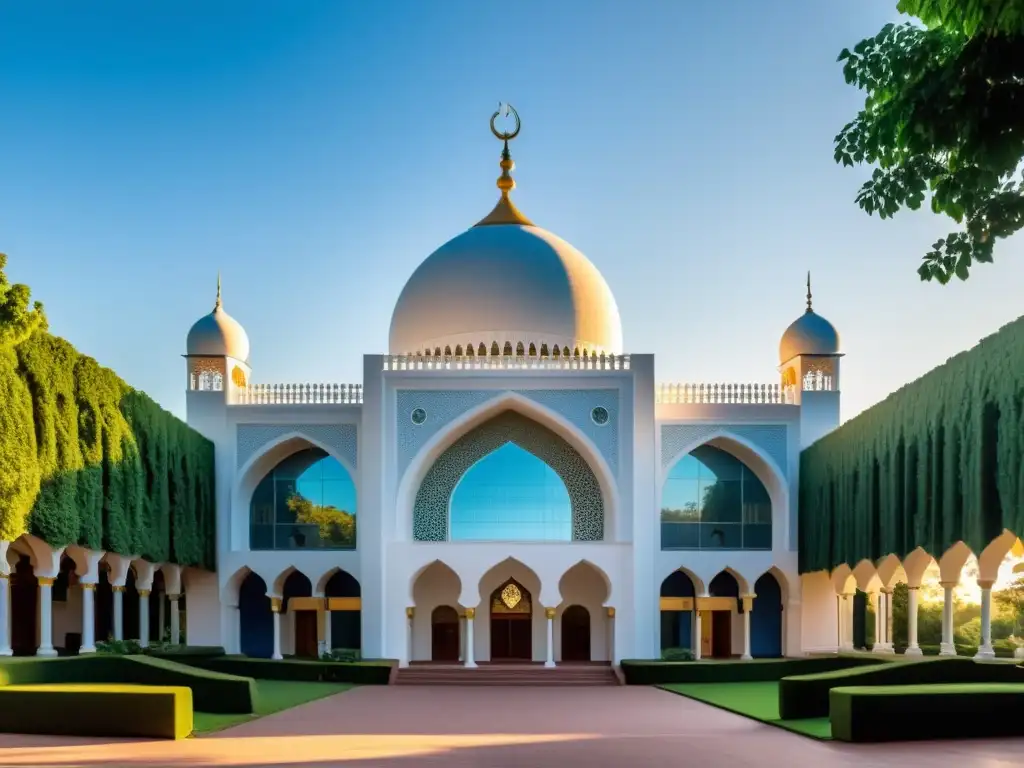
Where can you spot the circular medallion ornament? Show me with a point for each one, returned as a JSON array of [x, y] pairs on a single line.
[[511, 596], [599, 415], [419, 416]]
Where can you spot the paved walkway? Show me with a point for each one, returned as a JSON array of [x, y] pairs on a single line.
[[409, 727]]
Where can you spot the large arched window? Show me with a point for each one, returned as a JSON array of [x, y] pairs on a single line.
[[510, 495], [308, 501], [712, 500]]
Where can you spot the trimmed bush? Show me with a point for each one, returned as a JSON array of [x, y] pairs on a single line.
[[640, 672], [807, 695], [97, 710], [914, 712], [181, 653], [211, 691], [358, 673], [85, 459]]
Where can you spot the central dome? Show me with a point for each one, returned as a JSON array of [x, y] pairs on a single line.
[[506, 283]]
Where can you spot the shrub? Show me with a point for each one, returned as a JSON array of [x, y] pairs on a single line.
[[677, 654], [359, 672], [97, 710], [343, 655], [119, 648], [880, 713], [211, 691], [653, 672], [807, 695]]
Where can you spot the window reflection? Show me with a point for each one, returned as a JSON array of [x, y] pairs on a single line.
[[510, 495], [308, 501], [711, 500]]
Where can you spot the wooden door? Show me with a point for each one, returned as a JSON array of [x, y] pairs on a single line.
[[511, 638], [706, 633], [721, 645], [575, 625], [305, 634], [444, 634]]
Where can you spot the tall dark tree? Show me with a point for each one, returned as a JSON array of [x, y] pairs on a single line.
[[943, 119]]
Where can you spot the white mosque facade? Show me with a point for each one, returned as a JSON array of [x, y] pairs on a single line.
[[508, 482]]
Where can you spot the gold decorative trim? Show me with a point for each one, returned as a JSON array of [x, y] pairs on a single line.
[[344, 604], [549, 613], [471, 613], [144, 592], [45, 581], [410, 612], [275, 604], [611, 612], [87, 585], [174, 596], [117, 588], [5, 575]]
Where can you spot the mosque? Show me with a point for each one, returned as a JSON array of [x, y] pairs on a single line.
[[508, 482]]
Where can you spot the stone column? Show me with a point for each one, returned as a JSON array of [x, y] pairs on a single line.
[[176, 618], [46, 617], [470, 650], [913, 649], [549, 614], [118, 593], [5, 615], [846, 622], [889, 645], [748, 607], [88, 617], [947, 648], [161, 615], [985, 650], [275, 608], [696, 632], [328, 640], [611, 635], [462, 637], [410, 618], [144, 618], [878, 599]]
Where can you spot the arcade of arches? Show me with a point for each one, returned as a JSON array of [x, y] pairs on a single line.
[[507, 622], [66, 600], [727, 621]]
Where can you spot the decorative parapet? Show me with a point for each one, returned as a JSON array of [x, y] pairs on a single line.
[[301, 394], [574, 363], [733, 394]]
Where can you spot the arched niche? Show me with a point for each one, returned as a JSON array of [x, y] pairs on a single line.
[[307, 500], [712, 500], [256, 621], [431, 506], [766, 618]]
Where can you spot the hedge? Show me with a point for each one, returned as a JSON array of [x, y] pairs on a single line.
[[807, 695], [85, 459], [642, 672], [211, 691], [938, 461], [97, 710], [910, 713], [358, 673]]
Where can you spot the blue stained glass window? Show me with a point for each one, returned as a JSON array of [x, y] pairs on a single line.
[[510, 495], [308, 501], [711, 500]]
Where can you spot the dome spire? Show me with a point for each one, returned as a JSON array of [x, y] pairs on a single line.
[[809, 291], [218, 304], [505, 212]]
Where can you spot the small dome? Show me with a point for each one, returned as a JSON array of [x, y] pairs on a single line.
[[506, 283], [218, 334], [810, 334]]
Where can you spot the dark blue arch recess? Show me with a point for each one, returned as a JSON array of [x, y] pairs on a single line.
[[346, 626], [308, 501], [712, 500], [766, 619], [256, 622], [676, 626]]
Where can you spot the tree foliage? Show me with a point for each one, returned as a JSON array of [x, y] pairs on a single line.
[[85, 459], [939, 461], [943, 119], [334, 525]]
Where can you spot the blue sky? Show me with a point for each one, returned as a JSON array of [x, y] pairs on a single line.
[[316, 152]]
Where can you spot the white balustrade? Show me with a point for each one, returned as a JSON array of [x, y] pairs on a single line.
[[573, 363], [738, 394], [301, 394]]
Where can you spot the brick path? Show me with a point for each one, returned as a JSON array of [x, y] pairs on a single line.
[[408, 727]]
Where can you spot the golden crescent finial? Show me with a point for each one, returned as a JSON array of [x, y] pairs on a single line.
[[506, 135]]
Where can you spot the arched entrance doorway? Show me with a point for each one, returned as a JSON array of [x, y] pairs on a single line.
[[342, 593], [24, 608], [255, 618], [716, 633], [766, 619], [295, 598], [575, 634], [511, 623], [444, 634]]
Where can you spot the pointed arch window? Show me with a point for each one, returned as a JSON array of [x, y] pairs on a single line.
[[508, 349], [308, 501], [519, 349], [712, 500], [510, 495]]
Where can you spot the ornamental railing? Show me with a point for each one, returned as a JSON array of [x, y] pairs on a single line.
[[739, 394], [301, 394], [506, 363]]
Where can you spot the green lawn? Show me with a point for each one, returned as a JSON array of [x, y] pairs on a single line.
[[272, 696], [758, 701]]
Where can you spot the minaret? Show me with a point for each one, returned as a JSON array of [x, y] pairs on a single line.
[[809, 364]]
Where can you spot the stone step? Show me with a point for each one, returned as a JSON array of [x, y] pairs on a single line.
[[522, 675]]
